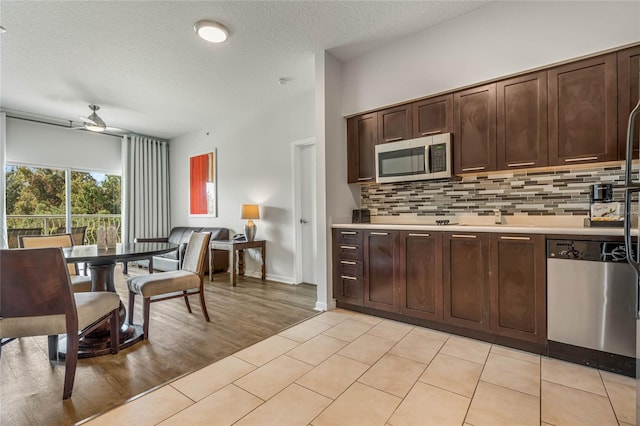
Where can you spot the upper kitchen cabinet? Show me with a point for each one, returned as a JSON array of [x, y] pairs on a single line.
[[362, 136], [474, 141], [628, 95], [394, 124], [582, 111], [522, 122], [432, 116]]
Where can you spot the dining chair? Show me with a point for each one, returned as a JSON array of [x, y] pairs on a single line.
[[33, 303], [80, 283], [184, 282], [14, 233]]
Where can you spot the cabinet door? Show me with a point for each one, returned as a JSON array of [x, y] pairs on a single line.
[[628, 96], [394, 124], [420, 274], [379, 267], [362, 135], [466, 280], [474, 141], [582, 111], [432, 116], [518, 287], [522, 122]]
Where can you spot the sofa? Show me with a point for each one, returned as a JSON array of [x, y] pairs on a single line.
[[180, 235]]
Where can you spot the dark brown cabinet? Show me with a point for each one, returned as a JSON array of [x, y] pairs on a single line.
[[348, 257], [518, 287], [628, 96], [583, 111], [420, 274], [394, 124], [466, 279], [380, 259], [522, 122], [362, 136], [474, 142], [432, 116]]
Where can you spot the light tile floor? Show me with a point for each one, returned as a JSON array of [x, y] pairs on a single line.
[[346, 368]]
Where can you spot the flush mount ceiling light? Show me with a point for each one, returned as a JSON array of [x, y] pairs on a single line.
[[211, 31]]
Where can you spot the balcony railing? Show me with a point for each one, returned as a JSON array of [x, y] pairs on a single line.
[[50, 224]]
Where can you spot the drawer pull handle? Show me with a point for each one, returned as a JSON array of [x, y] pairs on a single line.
[[418, 235], [349, 247], [379, 233], [570, 160], [365, 178], [473, 169], [433, 132], [530, 163], [516, 238], [348, 232], [393, 139], [347, 277], [464, 236], [347, 262]]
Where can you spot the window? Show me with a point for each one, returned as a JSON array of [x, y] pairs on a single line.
[[36, 198]]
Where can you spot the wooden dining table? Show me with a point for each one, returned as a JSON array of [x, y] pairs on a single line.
[[101, 263]]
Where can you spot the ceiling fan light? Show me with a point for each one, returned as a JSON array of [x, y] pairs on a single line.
[[211, 31], [94, 127]]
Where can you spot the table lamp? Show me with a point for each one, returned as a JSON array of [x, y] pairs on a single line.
[[249, 212]]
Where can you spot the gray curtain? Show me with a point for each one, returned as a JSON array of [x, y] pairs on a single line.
[[145, 188]]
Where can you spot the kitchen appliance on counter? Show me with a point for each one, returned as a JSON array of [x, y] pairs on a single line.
[[423, 158], [604, 211], [591, 304], [361, 216]]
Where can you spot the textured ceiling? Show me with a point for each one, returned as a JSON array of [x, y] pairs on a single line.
[[142, 63]]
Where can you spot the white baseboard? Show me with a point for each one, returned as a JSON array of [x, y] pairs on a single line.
[[321, 306]]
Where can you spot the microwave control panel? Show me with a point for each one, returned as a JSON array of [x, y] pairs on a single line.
[[438, 157]]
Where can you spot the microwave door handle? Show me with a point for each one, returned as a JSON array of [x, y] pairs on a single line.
[[427, 158]]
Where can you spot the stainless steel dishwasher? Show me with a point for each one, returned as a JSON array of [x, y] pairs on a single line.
[[591, 297]]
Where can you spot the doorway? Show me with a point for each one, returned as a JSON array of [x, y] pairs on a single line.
[[304, 212]]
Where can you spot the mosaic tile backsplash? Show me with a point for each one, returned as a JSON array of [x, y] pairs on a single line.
[[563, 192]]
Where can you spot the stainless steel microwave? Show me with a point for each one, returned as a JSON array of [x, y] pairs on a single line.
[[423, 158]]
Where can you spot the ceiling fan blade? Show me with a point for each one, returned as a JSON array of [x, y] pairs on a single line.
[[88, 120]]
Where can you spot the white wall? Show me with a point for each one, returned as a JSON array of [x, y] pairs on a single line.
[[254, 166], [495, 40], [49, 145]]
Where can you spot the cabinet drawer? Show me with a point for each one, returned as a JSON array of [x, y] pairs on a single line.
[[350, 267], [349, 236], [349, 289], [349, 251]]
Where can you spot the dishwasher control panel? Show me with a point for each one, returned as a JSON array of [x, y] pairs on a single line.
[[602, 251]]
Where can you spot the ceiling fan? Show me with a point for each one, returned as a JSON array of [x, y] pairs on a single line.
[[94, 123]]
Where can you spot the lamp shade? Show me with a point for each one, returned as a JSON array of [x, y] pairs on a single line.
[[250, 211]]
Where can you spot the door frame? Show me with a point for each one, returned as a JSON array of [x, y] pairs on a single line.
[[296, 148]]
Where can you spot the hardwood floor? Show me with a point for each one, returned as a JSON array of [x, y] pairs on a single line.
[[31, 387]]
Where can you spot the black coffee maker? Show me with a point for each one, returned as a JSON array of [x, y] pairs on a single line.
[[601, 193]]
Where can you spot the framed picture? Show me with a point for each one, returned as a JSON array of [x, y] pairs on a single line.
[[203, 194]]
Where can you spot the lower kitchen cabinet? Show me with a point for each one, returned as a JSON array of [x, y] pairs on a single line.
[[486, 285], [466, 279], [380, 259], [347, 266], [420, 274], [518, 287]]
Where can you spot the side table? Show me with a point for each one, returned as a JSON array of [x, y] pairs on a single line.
[[237, 252]]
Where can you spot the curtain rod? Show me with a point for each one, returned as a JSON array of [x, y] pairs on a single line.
[[34, 120]]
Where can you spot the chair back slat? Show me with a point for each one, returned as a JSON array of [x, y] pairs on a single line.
[[56, 240], [34, 282], [195, 254], [78, 234]]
